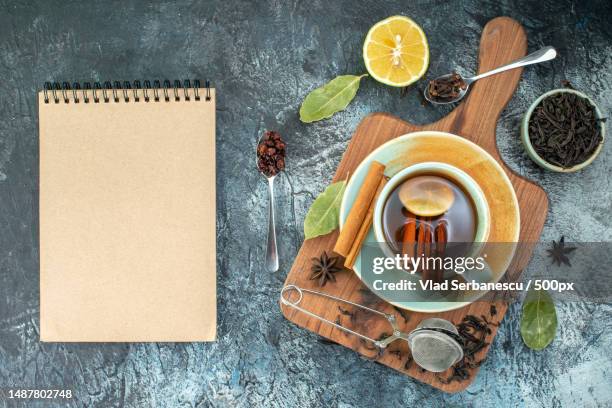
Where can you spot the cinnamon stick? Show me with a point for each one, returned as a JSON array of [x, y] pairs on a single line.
[[441, 237], [420, 251], [364, 229], [359, 210], [427, 238], [409, 238]]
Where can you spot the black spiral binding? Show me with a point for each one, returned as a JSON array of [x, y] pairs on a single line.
[[128, 91]]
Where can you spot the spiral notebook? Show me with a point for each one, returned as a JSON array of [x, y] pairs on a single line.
[[127, 212]]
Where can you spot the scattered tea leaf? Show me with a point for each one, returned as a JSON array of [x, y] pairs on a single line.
[[327, 341], [539, 320], [332, 97], [323, 215], [473, 332]]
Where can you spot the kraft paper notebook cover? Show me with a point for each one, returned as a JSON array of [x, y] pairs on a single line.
[[127, 213]]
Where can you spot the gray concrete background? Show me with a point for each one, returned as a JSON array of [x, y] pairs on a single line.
[[264, 57]]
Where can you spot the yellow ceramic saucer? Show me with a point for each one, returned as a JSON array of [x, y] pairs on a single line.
[[427, 146]]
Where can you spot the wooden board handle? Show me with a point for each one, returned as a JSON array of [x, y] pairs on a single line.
[[503, 40]]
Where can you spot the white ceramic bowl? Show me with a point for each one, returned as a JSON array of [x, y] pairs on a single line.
[[483, 219]]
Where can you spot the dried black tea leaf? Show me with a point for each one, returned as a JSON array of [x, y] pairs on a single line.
[[403, 313], [326, 341], [473, 333], [351, 315]]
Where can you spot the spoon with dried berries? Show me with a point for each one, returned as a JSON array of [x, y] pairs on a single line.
[[270, 162], [451, 88]]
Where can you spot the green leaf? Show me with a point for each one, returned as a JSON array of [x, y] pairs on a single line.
[[539, 320], [323, 215], [332, 97]]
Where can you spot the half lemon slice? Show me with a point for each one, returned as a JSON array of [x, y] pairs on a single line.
[[426, 196], [395, 51]]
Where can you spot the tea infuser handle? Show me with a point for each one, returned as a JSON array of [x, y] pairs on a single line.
[[286, 301], [382, 343]]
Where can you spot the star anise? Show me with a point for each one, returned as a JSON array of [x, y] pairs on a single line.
[[559, 252], [324, 268]]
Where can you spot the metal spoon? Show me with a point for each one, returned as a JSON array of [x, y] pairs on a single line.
[[271, 250], [544, 54]]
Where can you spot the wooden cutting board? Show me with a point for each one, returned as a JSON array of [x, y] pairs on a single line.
[[503, 40]]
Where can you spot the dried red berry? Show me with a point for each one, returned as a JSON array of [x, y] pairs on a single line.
[[271, 153]]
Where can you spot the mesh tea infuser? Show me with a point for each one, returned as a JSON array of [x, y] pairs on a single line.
[[435, 343]]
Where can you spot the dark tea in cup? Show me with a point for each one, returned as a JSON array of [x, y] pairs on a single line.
[[435, 208]]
